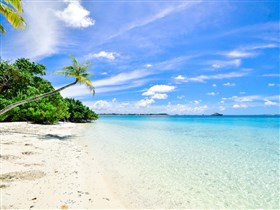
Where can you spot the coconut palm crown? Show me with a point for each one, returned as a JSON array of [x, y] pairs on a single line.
[[79, 72], [12, 11]]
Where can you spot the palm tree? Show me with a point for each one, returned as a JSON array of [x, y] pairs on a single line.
[[12, 10], [79, 72]]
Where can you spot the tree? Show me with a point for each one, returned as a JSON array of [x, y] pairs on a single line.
[[22, 80], [12, 10], [79, 112], [79, 72]]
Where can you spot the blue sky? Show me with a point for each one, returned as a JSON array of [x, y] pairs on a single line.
[[177, 57]]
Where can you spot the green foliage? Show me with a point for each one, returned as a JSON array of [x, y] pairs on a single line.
[[79, 112], [19, 81]]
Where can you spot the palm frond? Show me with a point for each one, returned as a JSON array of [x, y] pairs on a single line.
[[14, 18], [2, 30], [15, 4]]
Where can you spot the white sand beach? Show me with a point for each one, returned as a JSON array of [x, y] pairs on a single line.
[[50, 167]]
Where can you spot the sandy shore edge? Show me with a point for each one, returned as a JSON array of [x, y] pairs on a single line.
[[50, 167]]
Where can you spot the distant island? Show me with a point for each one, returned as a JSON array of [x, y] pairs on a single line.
[[216, 114]]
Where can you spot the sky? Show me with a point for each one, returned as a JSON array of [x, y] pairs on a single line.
[[175, 57]]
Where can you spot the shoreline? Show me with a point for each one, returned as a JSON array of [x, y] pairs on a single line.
[[50, 167]]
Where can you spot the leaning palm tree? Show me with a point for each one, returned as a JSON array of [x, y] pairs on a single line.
[[79, 72], [12, 11]]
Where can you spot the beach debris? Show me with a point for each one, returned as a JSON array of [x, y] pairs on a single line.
[[28, 153], [31, 207], [8, 157], [33, 199], [2, 186], [64, 207], [107, 199]]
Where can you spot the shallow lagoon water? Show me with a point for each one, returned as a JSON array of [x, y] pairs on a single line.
[[189, 161]]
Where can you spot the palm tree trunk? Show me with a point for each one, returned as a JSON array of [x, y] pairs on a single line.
[[11, 106]]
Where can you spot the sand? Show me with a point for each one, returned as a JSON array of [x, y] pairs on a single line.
[[50, 167]]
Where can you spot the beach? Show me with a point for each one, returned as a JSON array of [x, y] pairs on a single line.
[[50, 167]]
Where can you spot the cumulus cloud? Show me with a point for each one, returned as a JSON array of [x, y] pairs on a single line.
[[75, 15], [158, 91], [180, 77], [214, 85], [242, 99], [145, 102], [272, 84], [228, 84], [239, 106], [148, 65], [213, 93], [160, 96], [181, 97], [104, 54], [269, 103], [144, 106], [101, 105]]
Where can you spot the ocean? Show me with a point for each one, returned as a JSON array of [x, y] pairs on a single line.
[[187, 162]]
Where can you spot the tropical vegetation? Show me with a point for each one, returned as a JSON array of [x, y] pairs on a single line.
[[12, 11], [26, 96]]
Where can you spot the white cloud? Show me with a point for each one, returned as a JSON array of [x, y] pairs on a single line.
[[238, 106], [185, 109], [269, 103], [222, 108], [245, 98], [181, 97], [158, 91], [42, 36], [114, 100], [75, 15], [101, 105], [156, 16], [203, 78], [104, 73], [228, 84], [159, 96], [212, 93], [239, 54], [196, 102], [271, 84], [242, 93], [214, 85], [271, 75], [145, 106], [225, 64], [148, 65], [104, 54], [180, 77], [161, 88], [145, 102], [122, 78]]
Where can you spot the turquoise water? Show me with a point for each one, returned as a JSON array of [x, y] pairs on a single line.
[[189, 161]]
